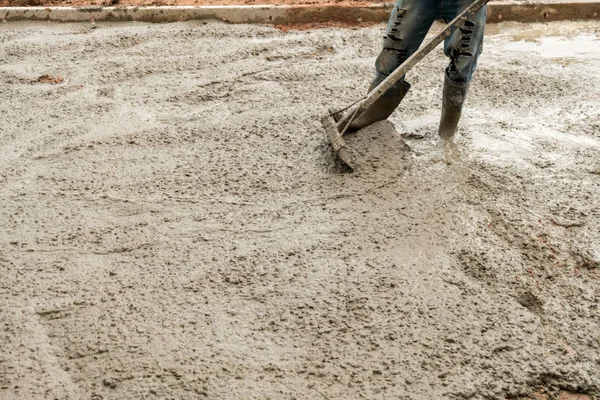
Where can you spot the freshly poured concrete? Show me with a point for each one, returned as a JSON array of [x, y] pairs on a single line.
[[174, 226]]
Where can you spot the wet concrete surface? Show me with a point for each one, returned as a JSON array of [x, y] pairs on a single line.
[[174, 224]]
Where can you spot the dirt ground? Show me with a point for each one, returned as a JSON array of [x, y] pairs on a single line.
[[118, 3], [174, 224]]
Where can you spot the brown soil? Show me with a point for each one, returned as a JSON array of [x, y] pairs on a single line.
[[73, 3], [50, 79]]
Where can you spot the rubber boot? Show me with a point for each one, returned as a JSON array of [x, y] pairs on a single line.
[[383, 107], [452, 104]]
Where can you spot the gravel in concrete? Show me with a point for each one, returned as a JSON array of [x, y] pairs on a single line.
[[174, 226]]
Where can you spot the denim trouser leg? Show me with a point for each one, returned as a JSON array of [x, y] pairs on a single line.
[[409, 22], [466, 44]]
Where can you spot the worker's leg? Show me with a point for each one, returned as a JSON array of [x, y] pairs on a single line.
[[409, 23], [465, 45], [463, 48]]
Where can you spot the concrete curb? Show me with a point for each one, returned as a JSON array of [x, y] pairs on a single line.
[[284, 15]]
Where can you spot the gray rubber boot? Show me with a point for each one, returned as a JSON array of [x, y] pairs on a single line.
[[452, 104], [383, 107]]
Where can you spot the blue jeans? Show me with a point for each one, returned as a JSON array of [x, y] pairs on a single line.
[[409, 23]]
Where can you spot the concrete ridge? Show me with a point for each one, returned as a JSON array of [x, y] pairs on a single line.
[[296, 14]]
